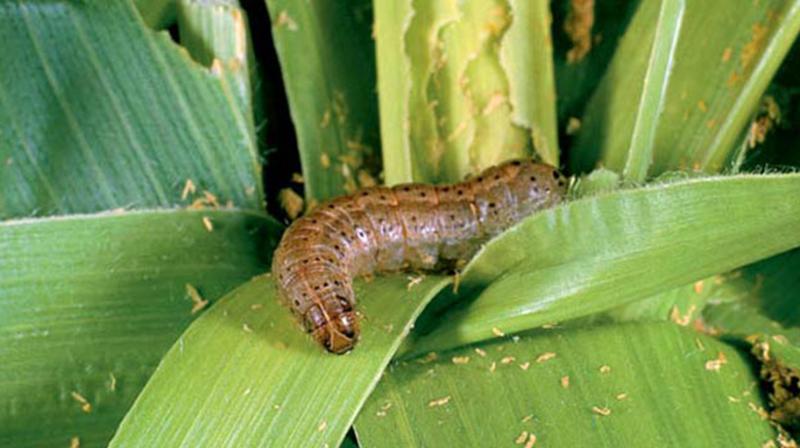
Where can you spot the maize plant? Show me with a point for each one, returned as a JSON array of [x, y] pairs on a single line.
[[153, 152]]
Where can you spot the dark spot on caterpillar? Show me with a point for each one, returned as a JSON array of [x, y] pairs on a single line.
[[445, 232]]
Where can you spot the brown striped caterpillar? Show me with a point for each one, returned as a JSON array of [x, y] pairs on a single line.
[[412, 226]]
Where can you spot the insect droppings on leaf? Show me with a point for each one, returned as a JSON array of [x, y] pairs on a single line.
[[715, 365], [85, 405], [208, 224], [439, 402], [544, 357], [188, 188], [284, 21], [291, 203], [198, 302]]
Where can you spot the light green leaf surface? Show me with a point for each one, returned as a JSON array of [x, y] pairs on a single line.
[[513, 391], [89, 304], [626, 140], [603, 251], [526, 55], [737, 47], [216, 34], [100, 112], [463, 85], [327, 62], [245, 374]]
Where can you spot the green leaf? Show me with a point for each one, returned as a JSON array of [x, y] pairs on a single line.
[[216, 34], [526, 54], [326, 57], [500, 393], [157, 14], [626, 140], [737, 55], [463, 85], [772, 287], [576, 80], [603, 251], [100, 112], [245, 374], [90, 304]]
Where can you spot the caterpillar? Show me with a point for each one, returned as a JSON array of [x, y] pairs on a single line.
[[410, 226]]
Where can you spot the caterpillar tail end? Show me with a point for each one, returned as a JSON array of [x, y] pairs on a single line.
[[338, 335]]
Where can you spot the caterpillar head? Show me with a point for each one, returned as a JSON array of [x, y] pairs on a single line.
[[338, 334], [534, 185]]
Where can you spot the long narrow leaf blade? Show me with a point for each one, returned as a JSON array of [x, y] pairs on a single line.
[[737, 49], [99, 112], [463, 85], [326, 57], [245, 374], [625, 140], [620, 385], [89, 304], [596, 253]]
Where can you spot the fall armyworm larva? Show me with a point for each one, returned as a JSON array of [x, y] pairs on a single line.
[[411, 226]]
